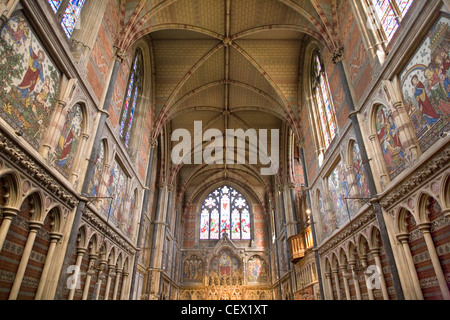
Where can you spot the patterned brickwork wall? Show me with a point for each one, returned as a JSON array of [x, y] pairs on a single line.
[[422, 261], [13, 248], [36, 263]]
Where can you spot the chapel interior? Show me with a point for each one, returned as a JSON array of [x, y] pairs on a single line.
[[224, 150]]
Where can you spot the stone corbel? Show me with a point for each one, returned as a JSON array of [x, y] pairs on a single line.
[[337, 55]]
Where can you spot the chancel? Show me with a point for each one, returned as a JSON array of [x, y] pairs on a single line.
[[224, 150]]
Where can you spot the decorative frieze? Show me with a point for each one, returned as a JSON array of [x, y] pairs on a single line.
[[417, 179], [349, 230], [96, 222], [10, 151]]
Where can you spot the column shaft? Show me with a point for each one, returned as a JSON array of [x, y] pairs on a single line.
[[34, 227]]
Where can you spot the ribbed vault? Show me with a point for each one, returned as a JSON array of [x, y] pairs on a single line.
[[231, 64]]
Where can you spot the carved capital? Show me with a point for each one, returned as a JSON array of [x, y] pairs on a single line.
[[153, 143], [337, 55], [301, 143], [120, 54]]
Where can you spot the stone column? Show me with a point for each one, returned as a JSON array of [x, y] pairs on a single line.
[[366, 277], [61, 10], [80, 254], [124, 281], [8, 216], [116, 283], [346, 286], [89, 274], [330, 284], [83, 39], [376, 255], [352, 264], [74, 177], [153, 145], [384, 178], [403, 239], [102, 265], [158, 243], [34, 228], [52, 135], [108, 281], [54, 239], [338, 57], [426, 228], [336, 279], [294, 228]]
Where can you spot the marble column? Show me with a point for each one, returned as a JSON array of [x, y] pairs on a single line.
[[80, 254], [34, 228], [54, 239], [404, 241], [8, 216], [426, 229]]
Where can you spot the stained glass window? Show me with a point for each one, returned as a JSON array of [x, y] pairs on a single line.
[[55, 4], [71, 16], [323, 109], [132, 96], [390, 14], [225, 211]]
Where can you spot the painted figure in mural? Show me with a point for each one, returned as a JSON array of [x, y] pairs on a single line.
[[21, 33], [325, 222], [425, 105], [33, 75], [389, 138], [70, 133], [360, 173], [129, 221], [225, 264], [443, 63], [432, 74], [43, 96]]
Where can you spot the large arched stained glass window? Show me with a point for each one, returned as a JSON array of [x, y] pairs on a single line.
[[323, 109], [134, 90], [389, 14], [225, 211]]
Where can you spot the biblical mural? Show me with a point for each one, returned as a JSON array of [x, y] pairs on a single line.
[[225, 264], [129, 216], [29, 81], [95, 183], [116, 189], [426, 85], [360, 174], [326, 228], [339, 190], [68, 142], [193, 269], [257, 270], [389, 139]]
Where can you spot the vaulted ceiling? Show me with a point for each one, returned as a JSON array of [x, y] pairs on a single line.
[[230, 64]]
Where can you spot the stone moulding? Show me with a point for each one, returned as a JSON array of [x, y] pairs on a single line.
[[95, 222], [359, 224], [25, 163], [417, 179]]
